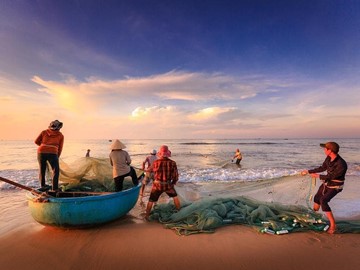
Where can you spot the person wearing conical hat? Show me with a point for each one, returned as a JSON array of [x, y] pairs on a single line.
[[332, 181], [50, 142], [165, 178], [120, 161]]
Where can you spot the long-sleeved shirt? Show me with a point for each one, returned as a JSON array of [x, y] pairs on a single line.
[[336, 170], [50, 142], [120, 160], [166, 173]]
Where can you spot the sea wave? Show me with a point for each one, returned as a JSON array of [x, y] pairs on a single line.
[[230, 173], [230, 143]]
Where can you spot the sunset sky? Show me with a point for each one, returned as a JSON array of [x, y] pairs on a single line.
[[180, 69]]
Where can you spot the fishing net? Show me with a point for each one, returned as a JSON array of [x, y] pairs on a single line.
[[90, 174], [272, 206], [277, 206]]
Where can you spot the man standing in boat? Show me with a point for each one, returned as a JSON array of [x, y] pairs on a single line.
[[165, 178], [50, 142]]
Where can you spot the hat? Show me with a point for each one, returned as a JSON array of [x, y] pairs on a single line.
[[55, 125], [153, 152], [164, 151], [333, 146], [116, 145]]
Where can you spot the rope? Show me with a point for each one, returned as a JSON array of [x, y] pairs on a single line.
[[311, 187]]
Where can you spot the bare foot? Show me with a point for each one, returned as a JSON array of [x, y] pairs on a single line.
[[331, 230]]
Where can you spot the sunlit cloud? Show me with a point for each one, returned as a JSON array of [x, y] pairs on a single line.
[[157, 115], [179, 104], [175, 85], [208, 113], [141, 112], [70, 94]]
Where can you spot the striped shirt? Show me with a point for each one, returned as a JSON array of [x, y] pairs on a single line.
[[166, 173]]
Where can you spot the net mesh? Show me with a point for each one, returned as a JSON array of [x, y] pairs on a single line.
[[275, 206], [90, 174]]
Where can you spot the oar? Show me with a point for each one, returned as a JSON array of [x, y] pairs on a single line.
[[140, 169], [20, 186]]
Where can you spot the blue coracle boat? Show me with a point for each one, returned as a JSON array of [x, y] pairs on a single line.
[[85, 211]]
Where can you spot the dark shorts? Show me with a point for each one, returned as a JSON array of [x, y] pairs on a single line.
[[324, 195], [155, 194]]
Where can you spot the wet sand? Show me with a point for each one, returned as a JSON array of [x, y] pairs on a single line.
[[132, 243]]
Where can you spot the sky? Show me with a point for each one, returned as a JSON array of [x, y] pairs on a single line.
[[188, 69]]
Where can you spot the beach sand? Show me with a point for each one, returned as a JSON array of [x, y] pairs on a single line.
[[132, 243]]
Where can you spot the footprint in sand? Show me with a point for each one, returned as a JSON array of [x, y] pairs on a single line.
[[313, 240]]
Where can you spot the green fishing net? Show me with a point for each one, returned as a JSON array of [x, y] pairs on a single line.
[[277, 206], [208, 214], [272, 206], [90, 174]]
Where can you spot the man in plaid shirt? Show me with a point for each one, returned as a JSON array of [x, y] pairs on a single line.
[[165, 177]]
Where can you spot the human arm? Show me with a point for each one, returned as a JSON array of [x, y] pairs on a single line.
[[174, 174], [150, 168], [127, 159], [314, 172], [144, 163], [38, 140], [336, 171]]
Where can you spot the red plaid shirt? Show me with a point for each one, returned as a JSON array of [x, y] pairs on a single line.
[[166, 173]]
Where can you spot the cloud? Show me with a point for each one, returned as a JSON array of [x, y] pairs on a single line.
[[208, 114], [180, 104], [171, 86], [141, 112]]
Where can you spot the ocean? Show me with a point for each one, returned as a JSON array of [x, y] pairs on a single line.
[[198, 161], [269, 171]]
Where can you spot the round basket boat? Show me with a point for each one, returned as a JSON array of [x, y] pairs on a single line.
[[82, 209]]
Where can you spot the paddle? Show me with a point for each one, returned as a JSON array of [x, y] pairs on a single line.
[[21, 186]]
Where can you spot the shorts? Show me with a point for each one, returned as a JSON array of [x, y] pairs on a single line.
[[324, 195], [155, 194]]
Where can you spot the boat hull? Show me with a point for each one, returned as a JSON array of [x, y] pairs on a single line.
[[83, 211]]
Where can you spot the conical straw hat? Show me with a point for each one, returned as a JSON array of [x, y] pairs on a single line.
[[117, 145]]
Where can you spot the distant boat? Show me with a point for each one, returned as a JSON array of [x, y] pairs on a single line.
[[82, 209]]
